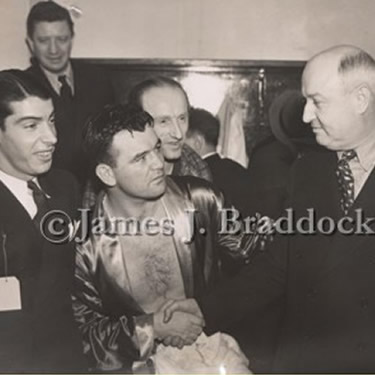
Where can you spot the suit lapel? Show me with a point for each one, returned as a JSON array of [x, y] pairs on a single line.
[[344, 246], [24, 245], [36, 70], [316, 189]]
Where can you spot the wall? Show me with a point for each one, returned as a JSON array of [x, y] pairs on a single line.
[[13, 50], [223, 29]]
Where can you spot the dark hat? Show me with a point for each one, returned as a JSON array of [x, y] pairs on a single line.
[[286, 119]]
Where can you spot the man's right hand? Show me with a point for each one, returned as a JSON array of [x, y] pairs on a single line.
[[187, 305]]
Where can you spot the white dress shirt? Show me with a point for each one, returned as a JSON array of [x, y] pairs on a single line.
[[54, 78], [20, 190]]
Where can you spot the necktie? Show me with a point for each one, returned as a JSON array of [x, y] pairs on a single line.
[[40, 200], [346, 180], [65, 90]]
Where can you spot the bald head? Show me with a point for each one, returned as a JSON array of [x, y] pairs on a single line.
[[339, 85], [351, 64]]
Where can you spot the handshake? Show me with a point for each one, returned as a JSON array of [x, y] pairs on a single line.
[[178, 323]]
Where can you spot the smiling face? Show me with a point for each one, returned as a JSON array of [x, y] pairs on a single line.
[[51, 45], [331, 106], [138, 169], [28, 138], [169, 108]]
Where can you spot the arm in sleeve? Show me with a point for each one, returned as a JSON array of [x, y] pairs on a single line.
[[111, 342], [256, 285]]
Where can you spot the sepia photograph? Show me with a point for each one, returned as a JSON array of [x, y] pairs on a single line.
[[185, 186]]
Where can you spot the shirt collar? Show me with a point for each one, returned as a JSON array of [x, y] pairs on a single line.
[[18, 186], [54, 78], [365, 154], [209, 154], [14, 184]]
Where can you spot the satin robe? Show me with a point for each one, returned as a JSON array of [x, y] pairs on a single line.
[[117, 333]]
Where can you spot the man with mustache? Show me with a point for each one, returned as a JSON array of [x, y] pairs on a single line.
[[38, 332], [159, 238]]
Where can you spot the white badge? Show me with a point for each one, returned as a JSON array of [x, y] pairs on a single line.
[[10, 294]]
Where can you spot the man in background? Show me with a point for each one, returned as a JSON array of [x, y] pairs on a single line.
[[167, 102], [38, 332], [232, 179], [76, 89]]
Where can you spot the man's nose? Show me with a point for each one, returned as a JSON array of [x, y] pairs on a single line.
[[176, 129], [308, 112], [52, 46], [157, 160], [49, 135]]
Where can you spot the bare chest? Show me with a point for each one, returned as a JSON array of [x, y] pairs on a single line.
[[153, 269]]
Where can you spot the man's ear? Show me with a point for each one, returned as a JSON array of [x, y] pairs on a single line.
[[105, 174], [199, 142], [362, 98], [30, 45]]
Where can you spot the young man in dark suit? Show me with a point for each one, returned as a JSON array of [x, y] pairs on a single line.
[[77, 89], [324, 273], [38, 333]]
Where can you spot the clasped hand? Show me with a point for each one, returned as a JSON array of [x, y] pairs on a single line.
[[178, 323]]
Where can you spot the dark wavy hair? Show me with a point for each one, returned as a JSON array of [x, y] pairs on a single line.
[[101, 128], [47, 11], [15, 86]]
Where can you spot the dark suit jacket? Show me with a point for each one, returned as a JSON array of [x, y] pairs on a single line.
[[232, 179], [42, 337], [92, 90], [269, 171], [326, 281]]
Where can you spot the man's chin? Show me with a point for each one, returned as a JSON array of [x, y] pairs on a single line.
[[172, 157], [55, 69], [158, 193]]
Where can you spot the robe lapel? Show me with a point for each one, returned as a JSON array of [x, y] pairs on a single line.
[[113, 265], [180, 212]]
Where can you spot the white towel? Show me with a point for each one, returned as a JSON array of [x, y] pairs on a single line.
[[216, 354]]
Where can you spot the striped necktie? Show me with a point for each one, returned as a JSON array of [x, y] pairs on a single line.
[[346, 180]]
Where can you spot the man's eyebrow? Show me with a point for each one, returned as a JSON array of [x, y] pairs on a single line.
[[162, 117], [315, 95], [27, 118], [141, 154]]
